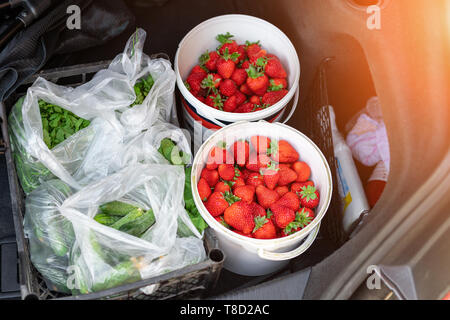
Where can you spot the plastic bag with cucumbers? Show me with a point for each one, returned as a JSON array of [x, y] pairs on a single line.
[[129, 226], [72, 133]]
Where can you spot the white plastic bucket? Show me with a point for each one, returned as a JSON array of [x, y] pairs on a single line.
[[253, 257], [243, 27]]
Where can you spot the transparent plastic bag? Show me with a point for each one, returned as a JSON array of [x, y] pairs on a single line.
[[100, 256], [105, 101], [159, 104]]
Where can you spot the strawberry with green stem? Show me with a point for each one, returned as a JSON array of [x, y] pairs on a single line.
[[239, 215], [270, 175], [227, 44], [215, 101], [226, 64], [302, 219], [309, 197], [264, 228], [209, 60], [257, 81], [211, 83], [277, 84]]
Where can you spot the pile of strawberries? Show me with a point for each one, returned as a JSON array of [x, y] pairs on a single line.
[[238, 78], [258, 188]]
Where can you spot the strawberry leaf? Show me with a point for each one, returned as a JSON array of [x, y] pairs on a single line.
[[204, 58], [274, 87], [224, 38], [259, 222], [230, 198]]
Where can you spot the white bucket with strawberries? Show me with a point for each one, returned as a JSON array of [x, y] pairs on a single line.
[[236, 68], [264, 188]]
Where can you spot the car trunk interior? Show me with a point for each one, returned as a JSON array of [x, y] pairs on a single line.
[[360, 67]]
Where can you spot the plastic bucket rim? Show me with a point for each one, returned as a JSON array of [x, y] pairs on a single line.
[[230, 116], [256, 243]]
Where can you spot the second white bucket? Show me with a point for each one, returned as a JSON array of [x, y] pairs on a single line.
[[254, 257]]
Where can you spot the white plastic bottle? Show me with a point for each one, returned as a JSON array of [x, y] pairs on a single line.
[[351, 190]]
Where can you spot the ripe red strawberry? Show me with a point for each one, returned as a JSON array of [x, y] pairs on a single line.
[[257, 81], [216, 204], [198, 69], [225, 68], [277, 84], [211, 176], [266, 197], [211, 82], [246, 193], [214, 101], [245, 108], [195, 81], [242, 53], [272, 97], [309, 197], [255, 100], [239, 215], [237, 182], [271, 176], [303, 171], [255, 179], [245, 89], [289, 200], [287, 176], [254, 51], [260, 143], [281, 190], [283, 215], [209, 60], [241, 151], [240, 98], [218, 155], [227, 87], [296, 187], [204, 190], [302, 219], [246, 173], [239, 76], [222, 187], [274, 68], [264, 228], [226, 171], [285, 165], [245, 65], [230, 104], [284, 152], [257, 210], [226, 43], [226, 64]]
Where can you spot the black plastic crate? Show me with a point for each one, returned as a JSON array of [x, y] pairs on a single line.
[[316, 125], [190, 282]]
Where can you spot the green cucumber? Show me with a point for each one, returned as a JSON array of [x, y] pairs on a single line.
[[122, 273], [106, 219], [117, 208], [138, 226], [132, 215]]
